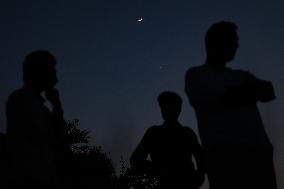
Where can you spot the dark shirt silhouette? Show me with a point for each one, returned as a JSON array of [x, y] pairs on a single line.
[[33, 131], [3, 158], [237, 148], [171, 147]]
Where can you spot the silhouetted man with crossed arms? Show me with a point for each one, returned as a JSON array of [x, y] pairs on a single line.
[[237, 149]]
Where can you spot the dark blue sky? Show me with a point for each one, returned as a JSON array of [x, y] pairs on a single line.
[[111, 67]]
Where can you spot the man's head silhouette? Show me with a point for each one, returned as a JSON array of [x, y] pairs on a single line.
[[221, 42], [170, 104], [39, 70]]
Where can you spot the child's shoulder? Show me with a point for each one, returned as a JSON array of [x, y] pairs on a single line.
[[154, 128], [188, 131]]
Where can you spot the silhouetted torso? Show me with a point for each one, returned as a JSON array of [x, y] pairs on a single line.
[[222, 120], [31, 138], [170, 148], [173, 145], [237, 148], [3, 157]]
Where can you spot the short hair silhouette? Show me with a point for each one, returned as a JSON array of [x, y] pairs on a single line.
[[169, 98], [36, 63], [218, 34], [170, 104]]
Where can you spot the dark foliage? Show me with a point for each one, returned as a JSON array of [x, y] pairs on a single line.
[[85, 165], [133, 178]]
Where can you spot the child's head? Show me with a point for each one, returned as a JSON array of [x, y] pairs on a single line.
[[170, 104]]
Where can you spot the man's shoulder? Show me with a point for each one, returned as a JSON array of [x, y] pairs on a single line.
[[22, 94], [16, 94], [195, 69], [241, 73], [195, 72], [154, 128]]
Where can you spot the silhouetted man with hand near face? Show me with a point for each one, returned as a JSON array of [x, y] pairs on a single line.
[[35, 133], [237, 149], [171, 147]]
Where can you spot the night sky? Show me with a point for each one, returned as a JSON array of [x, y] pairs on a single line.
[[111, 65]]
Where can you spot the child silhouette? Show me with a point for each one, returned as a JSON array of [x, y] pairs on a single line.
[[171, 147]]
